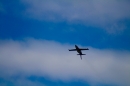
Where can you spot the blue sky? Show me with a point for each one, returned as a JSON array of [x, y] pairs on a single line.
[[35, 36]]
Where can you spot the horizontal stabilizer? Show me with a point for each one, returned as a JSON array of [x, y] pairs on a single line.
[[81, 54]]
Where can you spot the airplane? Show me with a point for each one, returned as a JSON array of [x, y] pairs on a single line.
[[79, 50]]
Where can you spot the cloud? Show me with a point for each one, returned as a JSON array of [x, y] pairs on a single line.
[[52, 60], [103, 14]]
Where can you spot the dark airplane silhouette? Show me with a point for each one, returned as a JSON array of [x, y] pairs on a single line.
[[79, 51]]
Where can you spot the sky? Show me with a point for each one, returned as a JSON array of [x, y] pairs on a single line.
[[35, 36]]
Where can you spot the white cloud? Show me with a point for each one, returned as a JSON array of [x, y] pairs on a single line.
[[101, 13], [53, 60]]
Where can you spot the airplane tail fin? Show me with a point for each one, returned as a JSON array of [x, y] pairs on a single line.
[[81, 55]]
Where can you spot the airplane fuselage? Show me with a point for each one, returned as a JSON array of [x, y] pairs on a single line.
[[78, 50]]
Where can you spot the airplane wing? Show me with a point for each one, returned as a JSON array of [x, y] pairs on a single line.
[[72, 50], [84, 49]]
